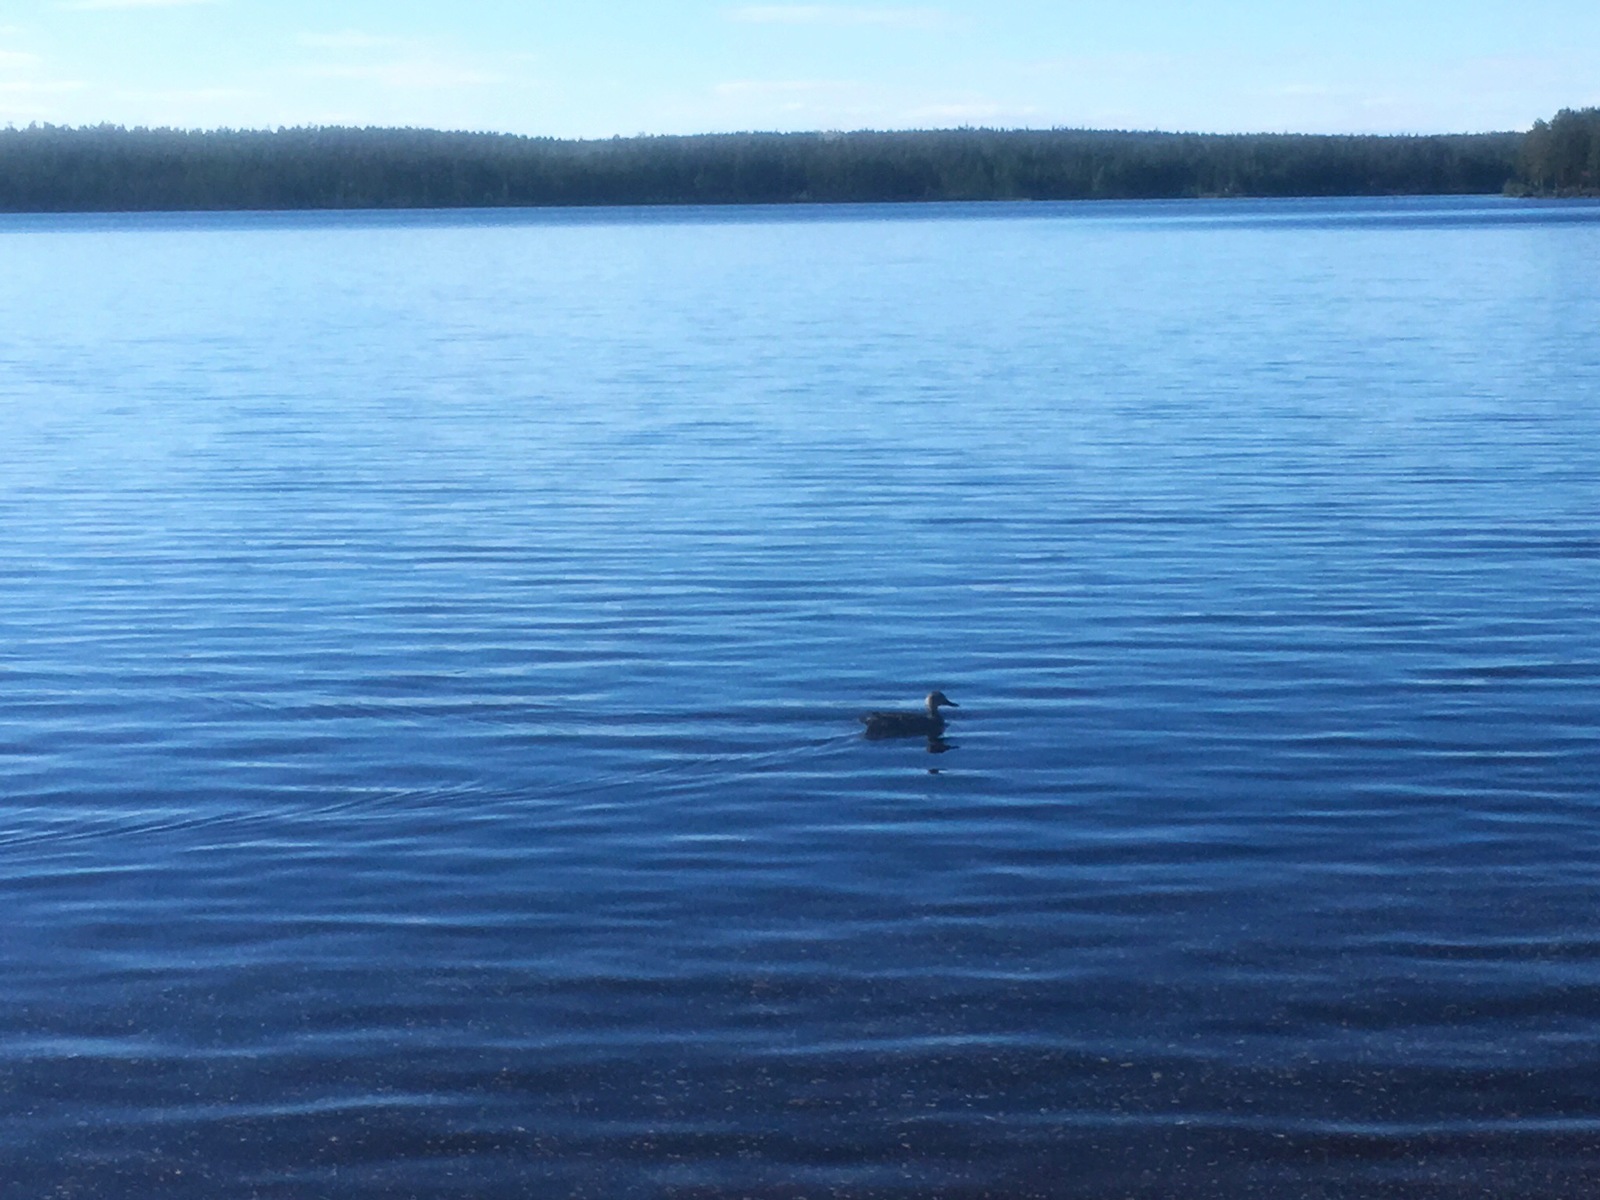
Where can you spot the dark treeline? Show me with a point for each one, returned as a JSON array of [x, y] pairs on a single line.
[[55, 169], [1561, 157]]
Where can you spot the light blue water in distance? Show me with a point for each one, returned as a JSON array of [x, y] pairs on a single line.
[[430, 648]]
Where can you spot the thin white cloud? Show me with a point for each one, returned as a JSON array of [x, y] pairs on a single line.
[[972, 113], [210, 95], [349, 39], [783, 87], [13, 59], [29, 87], [838, 15], [109, 5], [395, 63], [404, 64], [842, 103], [413, 75]]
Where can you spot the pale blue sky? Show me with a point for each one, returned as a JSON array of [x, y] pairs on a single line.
[[640, 66]]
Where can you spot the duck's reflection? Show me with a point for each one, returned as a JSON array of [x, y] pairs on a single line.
[[938, 745]]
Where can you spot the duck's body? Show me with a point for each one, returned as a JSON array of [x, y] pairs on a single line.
[[909, 724]]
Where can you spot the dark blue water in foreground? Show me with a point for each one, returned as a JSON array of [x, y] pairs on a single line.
[[430, 647]]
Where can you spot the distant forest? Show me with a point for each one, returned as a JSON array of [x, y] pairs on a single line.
[[109, 168]]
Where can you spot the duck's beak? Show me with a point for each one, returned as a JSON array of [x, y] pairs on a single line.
[[952, 704]]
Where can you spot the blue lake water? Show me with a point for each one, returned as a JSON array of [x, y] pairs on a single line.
[[431, 645]]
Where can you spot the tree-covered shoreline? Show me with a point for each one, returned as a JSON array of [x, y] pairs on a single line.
[[110, 168], [1561, 157]]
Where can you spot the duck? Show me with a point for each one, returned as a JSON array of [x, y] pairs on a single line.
[[909, 724]]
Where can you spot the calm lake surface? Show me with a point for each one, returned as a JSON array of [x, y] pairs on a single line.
[[431, 645]]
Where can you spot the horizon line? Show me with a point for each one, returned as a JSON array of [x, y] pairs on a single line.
[[105, 126]]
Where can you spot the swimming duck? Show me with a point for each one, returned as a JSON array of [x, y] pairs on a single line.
[[909, 724]]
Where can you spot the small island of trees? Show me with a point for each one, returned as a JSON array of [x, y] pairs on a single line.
[[110, 168]]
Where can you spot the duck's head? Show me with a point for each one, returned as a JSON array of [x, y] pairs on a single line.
[[935, 699]]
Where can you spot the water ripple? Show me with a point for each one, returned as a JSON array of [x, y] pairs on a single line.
[[428, 748]]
